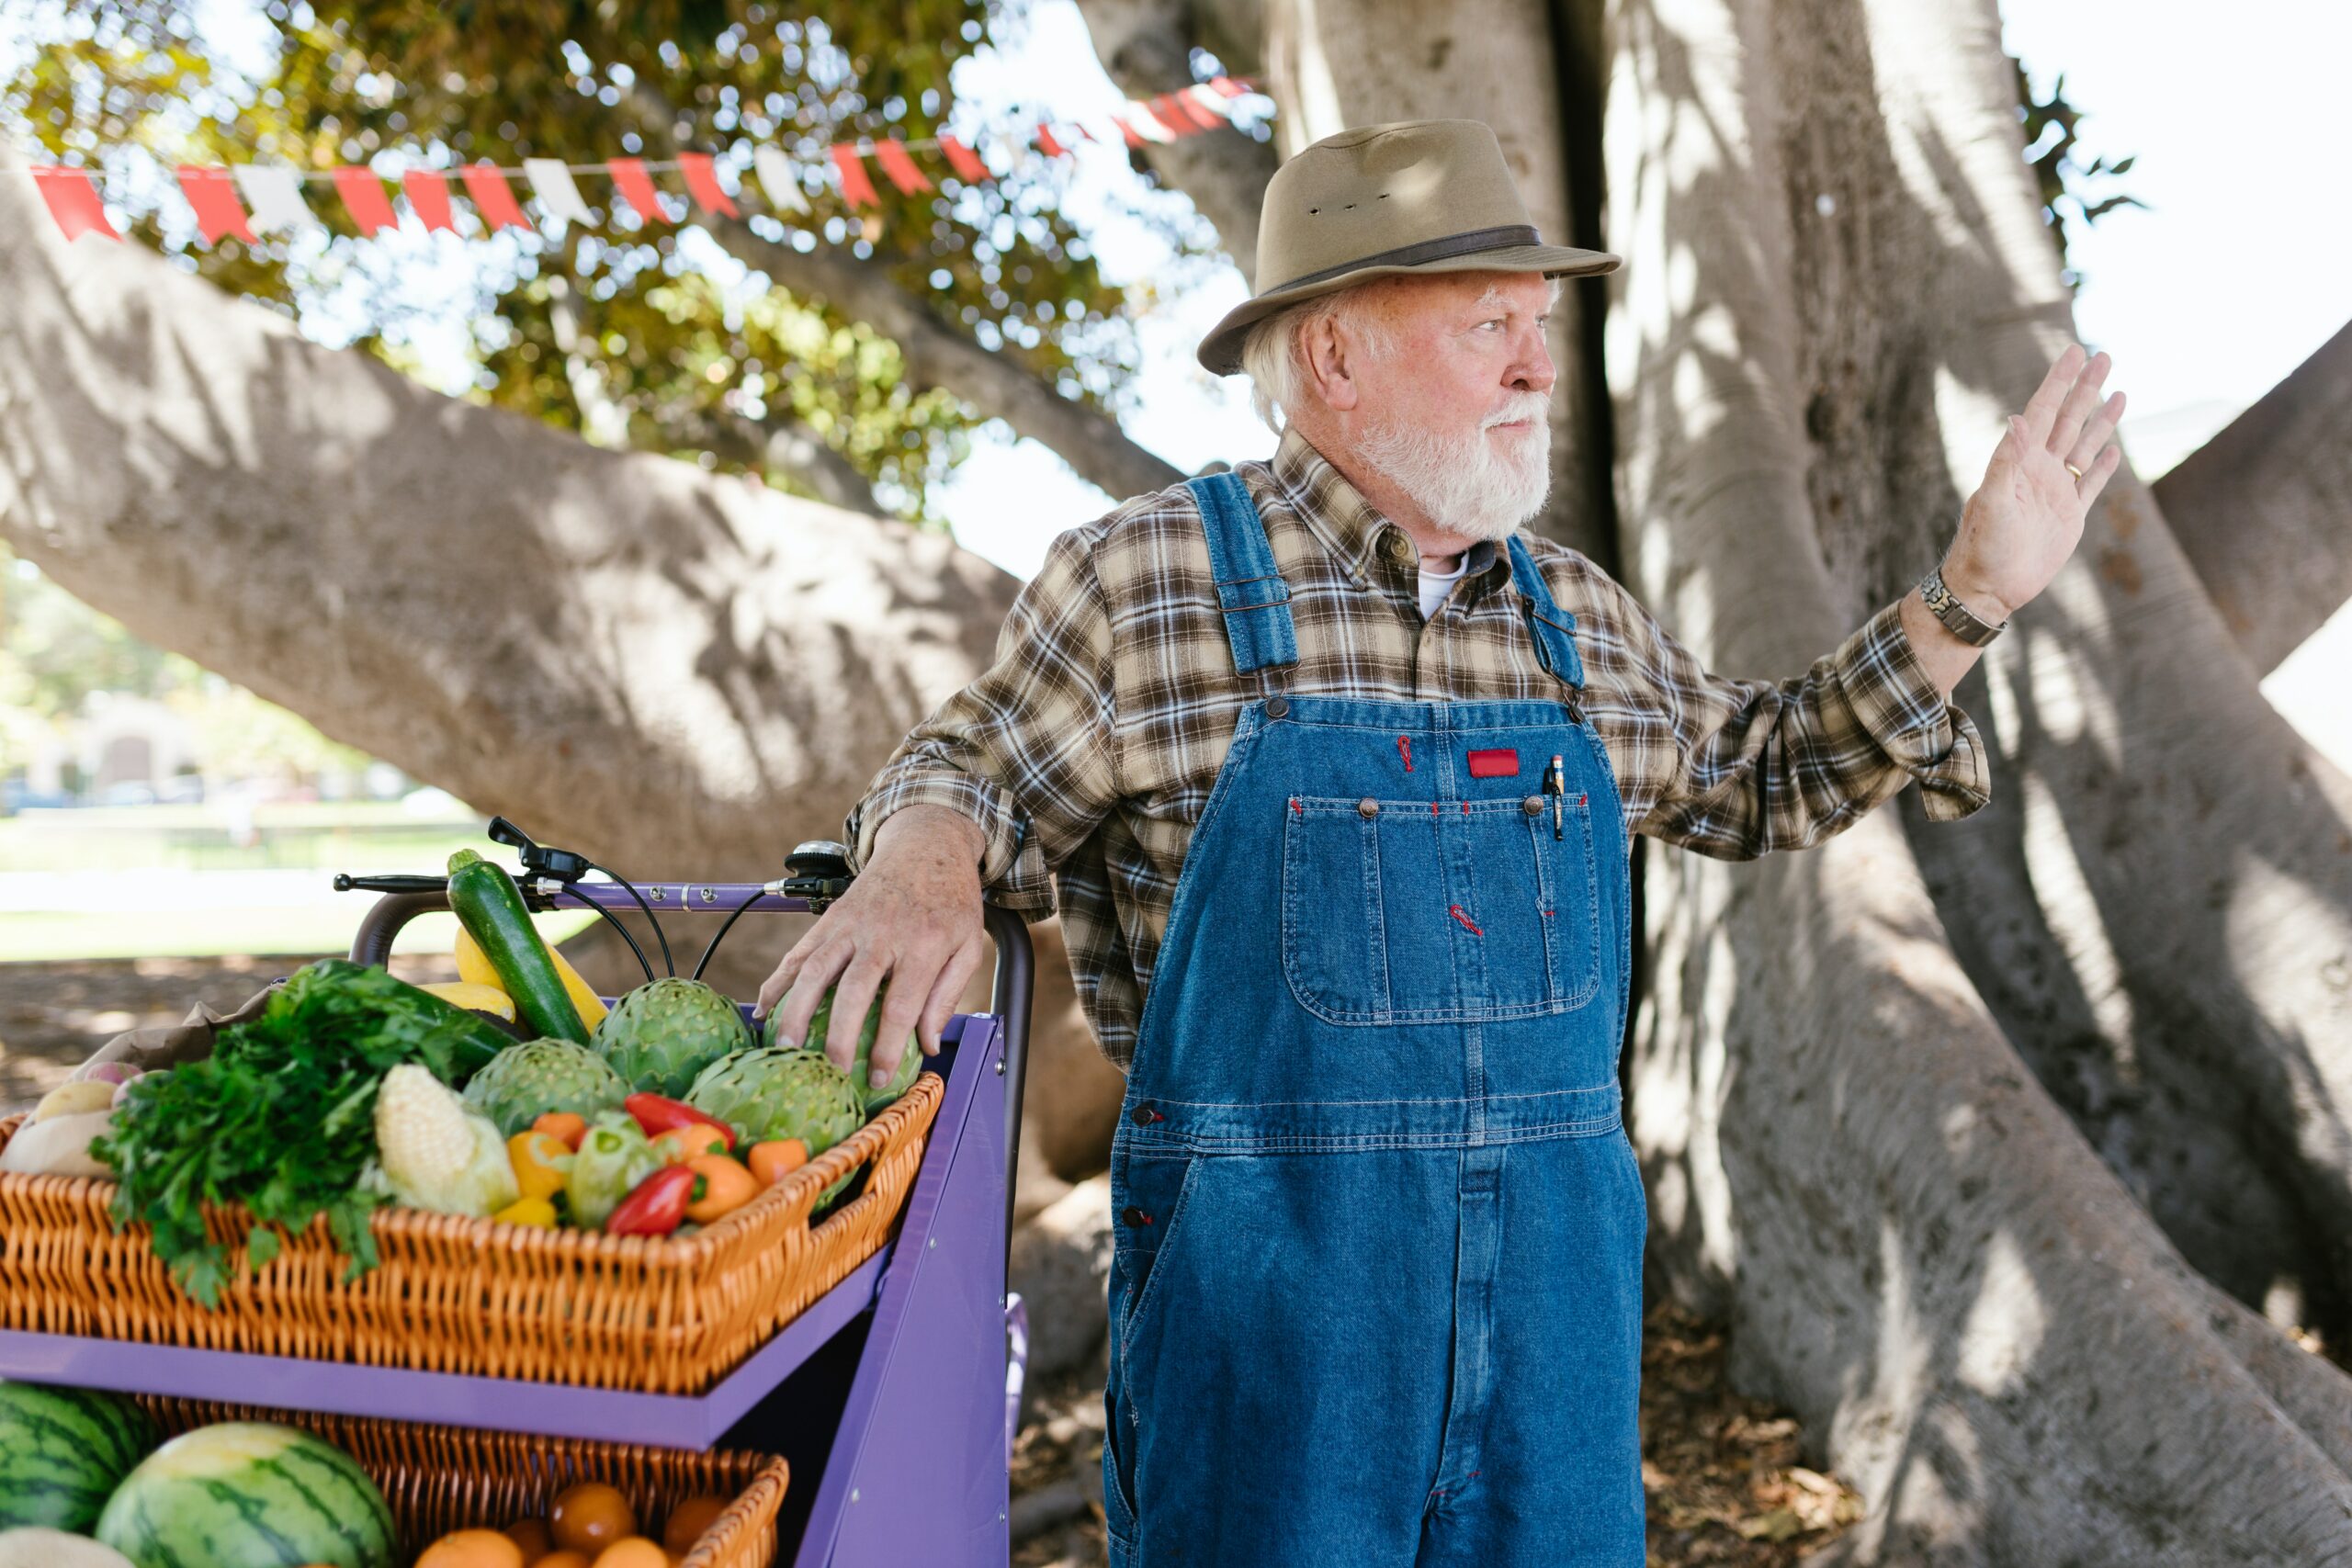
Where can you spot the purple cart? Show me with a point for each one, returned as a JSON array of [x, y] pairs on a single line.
[[891, 1395]]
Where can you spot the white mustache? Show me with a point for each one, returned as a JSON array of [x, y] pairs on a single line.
[[1529, 406]]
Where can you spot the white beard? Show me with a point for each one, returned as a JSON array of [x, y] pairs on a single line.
[[1464, 485]]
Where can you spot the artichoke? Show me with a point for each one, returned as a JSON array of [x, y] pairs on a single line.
[[769, 1093], [910, 1060], [524, 1082], [662, 1035]]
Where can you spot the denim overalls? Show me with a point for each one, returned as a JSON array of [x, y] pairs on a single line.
[[1376, 1285]]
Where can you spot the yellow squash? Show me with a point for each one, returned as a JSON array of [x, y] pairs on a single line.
[[474, 996], [473, 966]]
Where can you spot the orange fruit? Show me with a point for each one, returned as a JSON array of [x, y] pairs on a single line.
[[563, 1557], [590, 1517], [690, 1521], [472, 1549], [633, 1551], [532, 1536]]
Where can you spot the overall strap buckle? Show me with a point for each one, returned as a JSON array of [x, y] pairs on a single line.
[[1250, 588]]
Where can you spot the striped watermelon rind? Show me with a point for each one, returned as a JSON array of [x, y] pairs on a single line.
[[63, 1450], [249, 1494]]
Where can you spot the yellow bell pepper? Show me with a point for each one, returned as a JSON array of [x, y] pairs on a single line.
[[537, 1212], [542, 1165]]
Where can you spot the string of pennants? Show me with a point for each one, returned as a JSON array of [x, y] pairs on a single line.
[[245, 199]]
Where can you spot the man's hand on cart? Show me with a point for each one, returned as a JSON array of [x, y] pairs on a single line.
[[913, 918]]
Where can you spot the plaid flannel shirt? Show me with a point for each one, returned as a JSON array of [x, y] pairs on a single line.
[[1087, 750]]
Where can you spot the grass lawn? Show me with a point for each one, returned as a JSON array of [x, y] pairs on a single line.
[[212, 932], [170, 881]]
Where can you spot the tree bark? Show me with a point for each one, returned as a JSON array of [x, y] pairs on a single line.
[[679, 673], [1834, 286], [2159, 908], [2264, 510]]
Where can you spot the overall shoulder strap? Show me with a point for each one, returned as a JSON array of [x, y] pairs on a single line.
[[1250, 589], [1553, 628]]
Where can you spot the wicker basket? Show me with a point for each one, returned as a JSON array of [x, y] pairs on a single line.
[[439, 1479], [648, 1315]]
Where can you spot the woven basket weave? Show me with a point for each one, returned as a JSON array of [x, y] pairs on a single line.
[[648, 1315], [439, 1479]]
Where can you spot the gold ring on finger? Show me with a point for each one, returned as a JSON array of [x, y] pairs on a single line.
[[2073, 470]]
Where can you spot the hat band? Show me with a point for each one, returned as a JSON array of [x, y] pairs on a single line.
[[1462, 244]]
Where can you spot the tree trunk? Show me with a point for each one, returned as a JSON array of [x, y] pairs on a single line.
[[2264, 510], [1836, 285], [678, 673]]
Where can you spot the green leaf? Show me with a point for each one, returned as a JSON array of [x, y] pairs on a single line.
[[261, 1246]]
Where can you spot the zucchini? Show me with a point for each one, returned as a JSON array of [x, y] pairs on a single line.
[[490, 907]]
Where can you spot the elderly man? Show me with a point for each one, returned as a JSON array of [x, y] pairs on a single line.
[[1334, 769]]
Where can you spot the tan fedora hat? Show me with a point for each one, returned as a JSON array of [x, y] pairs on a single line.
[[1412, 197]]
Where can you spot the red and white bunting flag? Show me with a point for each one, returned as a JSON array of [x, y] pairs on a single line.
[[1183, 115], [274, 193], [857, 189], [1208, 100], [73, 200], [493, 197], [363, 198], [1145, 123], [892, 155], [1126, 130], [1227, 87], [963, 159], [1045, 143], [780, 181], [428, 197], [559, 196], [701, 184], [214, 193], [636, 186]]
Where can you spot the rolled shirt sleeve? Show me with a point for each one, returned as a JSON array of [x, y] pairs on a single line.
[[1026, 749], [1764, 765]]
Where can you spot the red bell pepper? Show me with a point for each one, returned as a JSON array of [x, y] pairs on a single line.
[[657, 1205], [658, 1113]]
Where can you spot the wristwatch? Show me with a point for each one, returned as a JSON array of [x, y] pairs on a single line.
[[1946, 607]]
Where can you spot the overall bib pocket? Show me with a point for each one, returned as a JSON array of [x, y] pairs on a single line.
[[1406, 911]]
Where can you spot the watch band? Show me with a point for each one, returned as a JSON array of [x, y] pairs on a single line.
[[1946, 606]]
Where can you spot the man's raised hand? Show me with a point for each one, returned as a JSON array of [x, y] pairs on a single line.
[[2027, 516]]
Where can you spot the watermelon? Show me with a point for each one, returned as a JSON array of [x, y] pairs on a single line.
[[63, 1450], [249, 1494]]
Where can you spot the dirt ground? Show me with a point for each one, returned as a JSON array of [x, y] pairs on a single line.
[[1722, 1472]]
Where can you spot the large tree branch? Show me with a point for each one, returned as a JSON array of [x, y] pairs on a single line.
[[680, 671], [2264, 510], [936, 353], [777, 442], [1146, 44]]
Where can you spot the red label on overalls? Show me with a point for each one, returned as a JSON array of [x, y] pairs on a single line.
[[1500, 765]]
